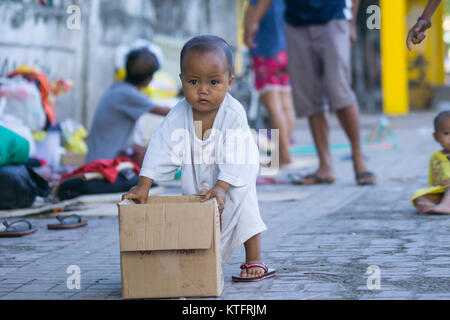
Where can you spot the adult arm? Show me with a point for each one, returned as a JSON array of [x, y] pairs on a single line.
[[253, 19], [353, 34], [249, 18], [162, 111], [417, 33], [136, 103]]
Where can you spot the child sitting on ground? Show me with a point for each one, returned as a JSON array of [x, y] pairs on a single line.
[[200, 135], [436, 200]]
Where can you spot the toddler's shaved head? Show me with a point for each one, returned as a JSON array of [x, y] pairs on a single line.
[[441, 116], [208, 43]]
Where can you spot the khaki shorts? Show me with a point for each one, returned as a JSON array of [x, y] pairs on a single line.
[[319, 65]]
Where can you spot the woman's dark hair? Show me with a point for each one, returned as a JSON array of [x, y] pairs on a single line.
[[208, 43], [141, 64]]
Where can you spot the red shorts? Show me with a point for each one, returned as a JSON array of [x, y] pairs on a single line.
[[271, 73]]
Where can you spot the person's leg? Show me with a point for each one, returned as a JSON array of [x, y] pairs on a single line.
[[272, 101], [286, 100], [305, 68], [320, 129], [349, 120], [285, 91], [253, 255], [336, 48]]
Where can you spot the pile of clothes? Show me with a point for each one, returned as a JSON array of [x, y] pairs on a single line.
[[98, 177], [33, 146], [19, 183], [27, 112]]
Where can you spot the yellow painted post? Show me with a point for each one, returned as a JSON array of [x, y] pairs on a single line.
[[394, 57], [426, 61], [432, 48], [437, 48], [241, 6]]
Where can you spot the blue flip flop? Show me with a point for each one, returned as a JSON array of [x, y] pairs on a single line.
[[75, 221], [17, 228]]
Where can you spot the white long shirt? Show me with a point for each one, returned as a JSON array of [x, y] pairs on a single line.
[[229, 154]]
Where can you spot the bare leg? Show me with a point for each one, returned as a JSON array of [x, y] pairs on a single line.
[[443, 207], [320, 130], [253, 255], [288, 106], [349, 119], [272, 100]]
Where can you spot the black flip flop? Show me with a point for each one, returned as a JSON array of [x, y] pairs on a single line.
[[76, 222], [15, 230], [296, 179], [363, 175]]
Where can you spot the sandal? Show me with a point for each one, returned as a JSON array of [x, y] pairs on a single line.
[[364, 175], [268, 273], [295, 179], [76, 223], [17, 231]]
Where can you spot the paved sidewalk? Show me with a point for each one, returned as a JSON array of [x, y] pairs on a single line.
[[322, 246]]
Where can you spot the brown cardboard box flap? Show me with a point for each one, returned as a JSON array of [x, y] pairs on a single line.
[[166, 223]]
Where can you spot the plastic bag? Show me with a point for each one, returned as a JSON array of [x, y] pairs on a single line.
[[23, 101], [16, 125], [50, 149], [19, 187], [73, 134]]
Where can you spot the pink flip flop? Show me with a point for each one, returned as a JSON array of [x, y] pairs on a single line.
[[268, 273]]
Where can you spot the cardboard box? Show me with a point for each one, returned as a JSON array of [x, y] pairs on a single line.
[[170, 247], [73, 159]]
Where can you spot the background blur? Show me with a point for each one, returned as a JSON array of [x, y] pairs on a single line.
[[35, 32]]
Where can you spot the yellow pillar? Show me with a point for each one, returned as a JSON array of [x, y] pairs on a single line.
[[394, 57], [241, 6], [426, 61]]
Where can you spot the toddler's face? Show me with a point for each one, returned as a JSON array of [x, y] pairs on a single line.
[[442, 135], [205, 79]]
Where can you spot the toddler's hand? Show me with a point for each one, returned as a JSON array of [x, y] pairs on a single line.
[[138, 195], [219, 192]]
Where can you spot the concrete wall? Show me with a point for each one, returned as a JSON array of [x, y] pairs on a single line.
[[34, 34]]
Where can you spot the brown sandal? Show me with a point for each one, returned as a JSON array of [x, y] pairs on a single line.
[[315, 180]]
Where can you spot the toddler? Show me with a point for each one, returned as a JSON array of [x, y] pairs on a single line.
[[208, 136], [436, 199]]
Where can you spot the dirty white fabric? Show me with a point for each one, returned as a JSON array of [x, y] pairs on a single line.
[[229, 154]]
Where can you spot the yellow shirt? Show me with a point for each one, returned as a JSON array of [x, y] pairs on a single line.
[[439, 169]]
